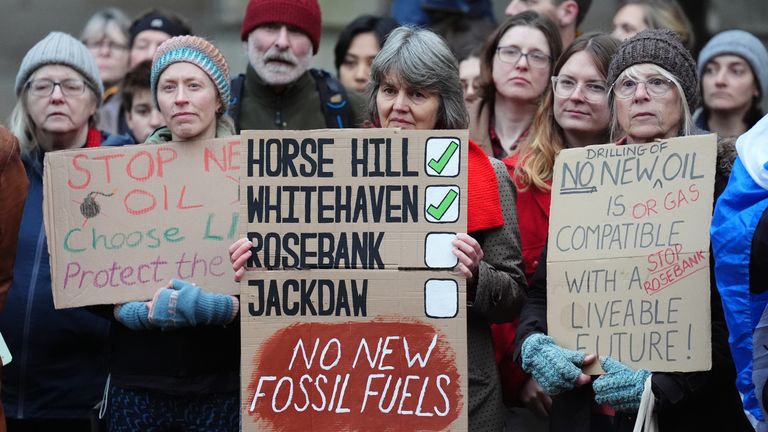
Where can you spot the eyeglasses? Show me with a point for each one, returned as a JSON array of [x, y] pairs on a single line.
[[45, 86], [108, 44], [564, 87], [656, 87], [512, 55]]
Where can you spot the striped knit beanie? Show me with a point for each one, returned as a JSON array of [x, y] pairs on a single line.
[[199, 52]]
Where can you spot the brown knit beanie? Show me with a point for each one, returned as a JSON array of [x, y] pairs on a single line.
[[663, 48]]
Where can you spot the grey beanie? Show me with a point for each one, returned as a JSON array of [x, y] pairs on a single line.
[[663, 48], [60, 48], [744, 45]]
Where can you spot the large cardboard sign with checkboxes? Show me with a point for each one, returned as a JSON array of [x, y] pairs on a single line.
[[351, 318]]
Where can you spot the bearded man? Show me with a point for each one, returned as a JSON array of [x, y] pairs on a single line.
[[279, 90]]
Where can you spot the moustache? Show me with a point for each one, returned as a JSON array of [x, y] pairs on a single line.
[[285, 57]]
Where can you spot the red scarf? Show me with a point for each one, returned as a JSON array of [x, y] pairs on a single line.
[[483, 203], [94, 138]]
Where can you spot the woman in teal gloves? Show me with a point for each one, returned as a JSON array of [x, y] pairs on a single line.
[[652, 73], [175, 360]]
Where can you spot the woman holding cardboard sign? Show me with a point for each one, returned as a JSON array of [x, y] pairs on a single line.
[[415, 85], [654, 86], [574, 114], [175, 359], [58, 369]]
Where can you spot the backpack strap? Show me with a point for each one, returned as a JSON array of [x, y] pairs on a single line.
[[334, 100], [235, 102]]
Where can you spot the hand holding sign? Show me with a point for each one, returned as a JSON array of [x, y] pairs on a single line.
[[239, 252], [556, 369], [469, 253]]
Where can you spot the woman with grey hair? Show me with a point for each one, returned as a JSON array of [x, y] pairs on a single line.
[[654, 87], [421, 60], [106, 36], [415, 85], [59, 369]]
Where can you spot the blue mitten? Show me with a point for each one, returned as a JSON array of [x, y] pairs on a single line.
[[621, 387], [134, 315], [185, 305], [555, 368]]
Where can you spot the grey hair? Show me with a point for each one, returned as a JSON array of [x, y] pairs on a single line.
[[632, 72], [421, 59], [25, 130], [104, 23]]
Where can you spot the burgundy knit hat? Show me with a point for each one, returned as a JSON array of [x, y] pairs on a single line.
[[302, 14]]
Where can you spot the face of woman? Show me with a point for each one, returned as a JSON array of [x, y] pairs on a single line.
[[355, 70], [728, 84], [628, 21], [643, 115], [188, 101], [581, 103], [401, 106], [59, 102], [111, 54], [469, 74], [522, 78]]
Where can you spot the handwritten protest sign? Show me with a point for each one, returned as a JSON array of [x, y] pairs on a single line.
[[371, 332], [628, 252], [122, 221]]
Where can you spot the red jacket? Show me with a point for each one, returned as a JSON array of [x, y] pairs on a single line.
[[533, 219]]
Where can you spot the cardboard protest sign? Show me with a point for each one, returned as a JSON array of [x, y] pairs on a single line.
[[122, 221], [628, 252], [371, 332]]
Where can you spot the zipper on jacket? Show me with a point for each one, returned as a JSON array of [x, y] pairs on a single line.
[[27, 322]]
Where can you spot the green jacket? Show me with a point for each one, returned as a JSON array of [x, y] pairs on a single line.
[[297, 107]]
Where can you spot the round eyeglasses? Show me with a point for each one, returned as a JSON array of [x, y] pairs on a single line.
[[626, 88], [513, 54], [564, 87], [45, 86]]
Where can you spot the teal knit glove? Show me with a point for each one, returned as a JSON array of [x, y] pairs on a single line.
[[185, 305], [556, 369], [621, 387], [134, 315]]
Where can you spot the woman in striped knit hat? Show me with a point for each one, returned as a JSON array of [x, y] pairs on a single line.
[[175, 359]]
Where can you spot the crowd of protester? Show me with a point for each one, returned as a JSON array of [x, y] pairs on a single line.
[[525, 87]]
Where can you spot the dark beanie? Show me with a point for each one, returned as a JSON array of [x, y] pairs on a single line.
[[663, 48], [302, 14], [156, 20]]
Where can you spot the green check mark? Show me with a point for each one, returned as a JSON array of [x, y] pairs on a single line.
[[439, 211], [439, 165]]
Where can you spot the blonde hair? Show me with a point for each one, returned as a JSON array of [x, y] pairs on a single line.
[[666, 14]]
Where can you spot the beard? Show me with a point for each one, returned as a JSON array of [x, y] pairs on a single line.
[[277, 67]]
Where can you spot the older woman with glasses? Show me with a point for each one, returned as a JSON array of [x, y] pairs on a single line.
[[574, 113], [515, 66], [654, 86], [59, 369]]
